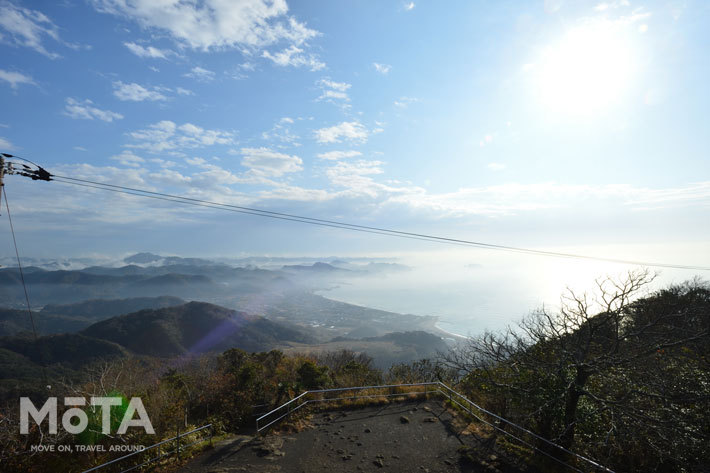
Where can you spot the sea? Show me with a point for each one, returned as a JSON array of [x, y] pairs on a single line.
[[471, 296]]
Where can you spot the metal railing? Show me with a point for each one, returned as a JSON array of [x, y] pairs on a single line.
[[288, 408], [158, 449], [435, 388]]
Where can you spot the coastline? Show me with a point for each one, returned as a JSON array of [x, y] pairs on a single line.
[[457, 337], [427, 323]]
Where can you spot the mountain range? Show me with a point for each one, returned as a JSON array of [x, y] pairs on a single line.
[[139, 309]]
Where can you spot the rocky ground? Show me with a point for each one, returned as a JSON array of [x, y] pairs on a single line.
[[415, 437]]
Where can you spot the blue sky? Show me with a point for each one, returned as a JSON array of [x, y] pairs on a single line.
[[541, 124]]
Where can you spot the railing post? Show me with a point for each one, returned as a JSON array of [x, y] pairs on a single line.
[[178, 441]]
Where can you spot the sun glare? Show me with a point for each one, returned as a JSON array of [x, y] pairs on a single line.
[[587, 71]]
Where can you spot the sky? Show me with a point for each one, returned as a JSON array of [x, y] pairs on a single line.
[[559, 125]]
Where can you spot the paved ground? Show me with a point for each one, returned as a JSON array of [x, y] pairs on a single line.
[[399, 437]]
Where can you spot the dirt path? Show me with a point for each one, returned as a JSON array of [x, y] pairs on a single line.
[[399, 437]]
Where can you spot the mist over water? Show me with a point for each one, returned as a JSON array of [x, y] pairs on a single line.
[[472, 292]]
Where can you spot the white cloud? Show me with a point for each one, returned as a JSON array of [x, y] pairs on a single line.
[[28, 28], [409, 6], [15, 78], [332, 91], [148, 52], [166, 136], [266, 162], [80, 148], [356, 177], [215, 24], [336, 155], [163, 163], [383, 69], [212, 182], [107, 174], [603, 6], [200, 74], [296, 194], [293, 56], [127, 158], [181, 91], [496, 166], [5, 144], [353, 131], [360, 186], [333, 94], [238, 72], [326, 83], [136, 92], [170, 176], [404, 102], [513, 198], [86, 110], [281, 131]]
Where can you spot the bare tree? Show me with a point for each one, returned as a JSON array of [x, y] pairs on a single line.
[[594, 363]]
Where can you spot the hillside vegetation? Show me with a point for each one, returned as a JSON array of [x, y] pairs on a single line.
[[622, 379], [195, 327], [618, 375]]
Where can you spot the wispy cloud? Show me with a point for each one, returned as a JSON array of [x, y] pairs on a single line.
[[137, 93], [352, 131], [603, 6], [127, 158], [85, 110], [409, 6], [337, 155], [383, 69], [215, 25], [326, 83], [270, 163], [356, 177], [148, 52], [295, 57], [496, 166], [15, 78], [5, 144], [167, 136], [334, 92], [200, 74], [282, 132], [404, 102], [28, 28], [248, 26]]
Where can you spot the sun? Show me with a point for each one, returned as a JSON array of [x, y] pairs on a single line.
[[587, 71]]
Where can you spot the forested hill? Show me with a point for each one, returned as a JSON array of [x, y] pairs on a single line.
[[626, 381], [99, 309], [70, 318], [195, 327]]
